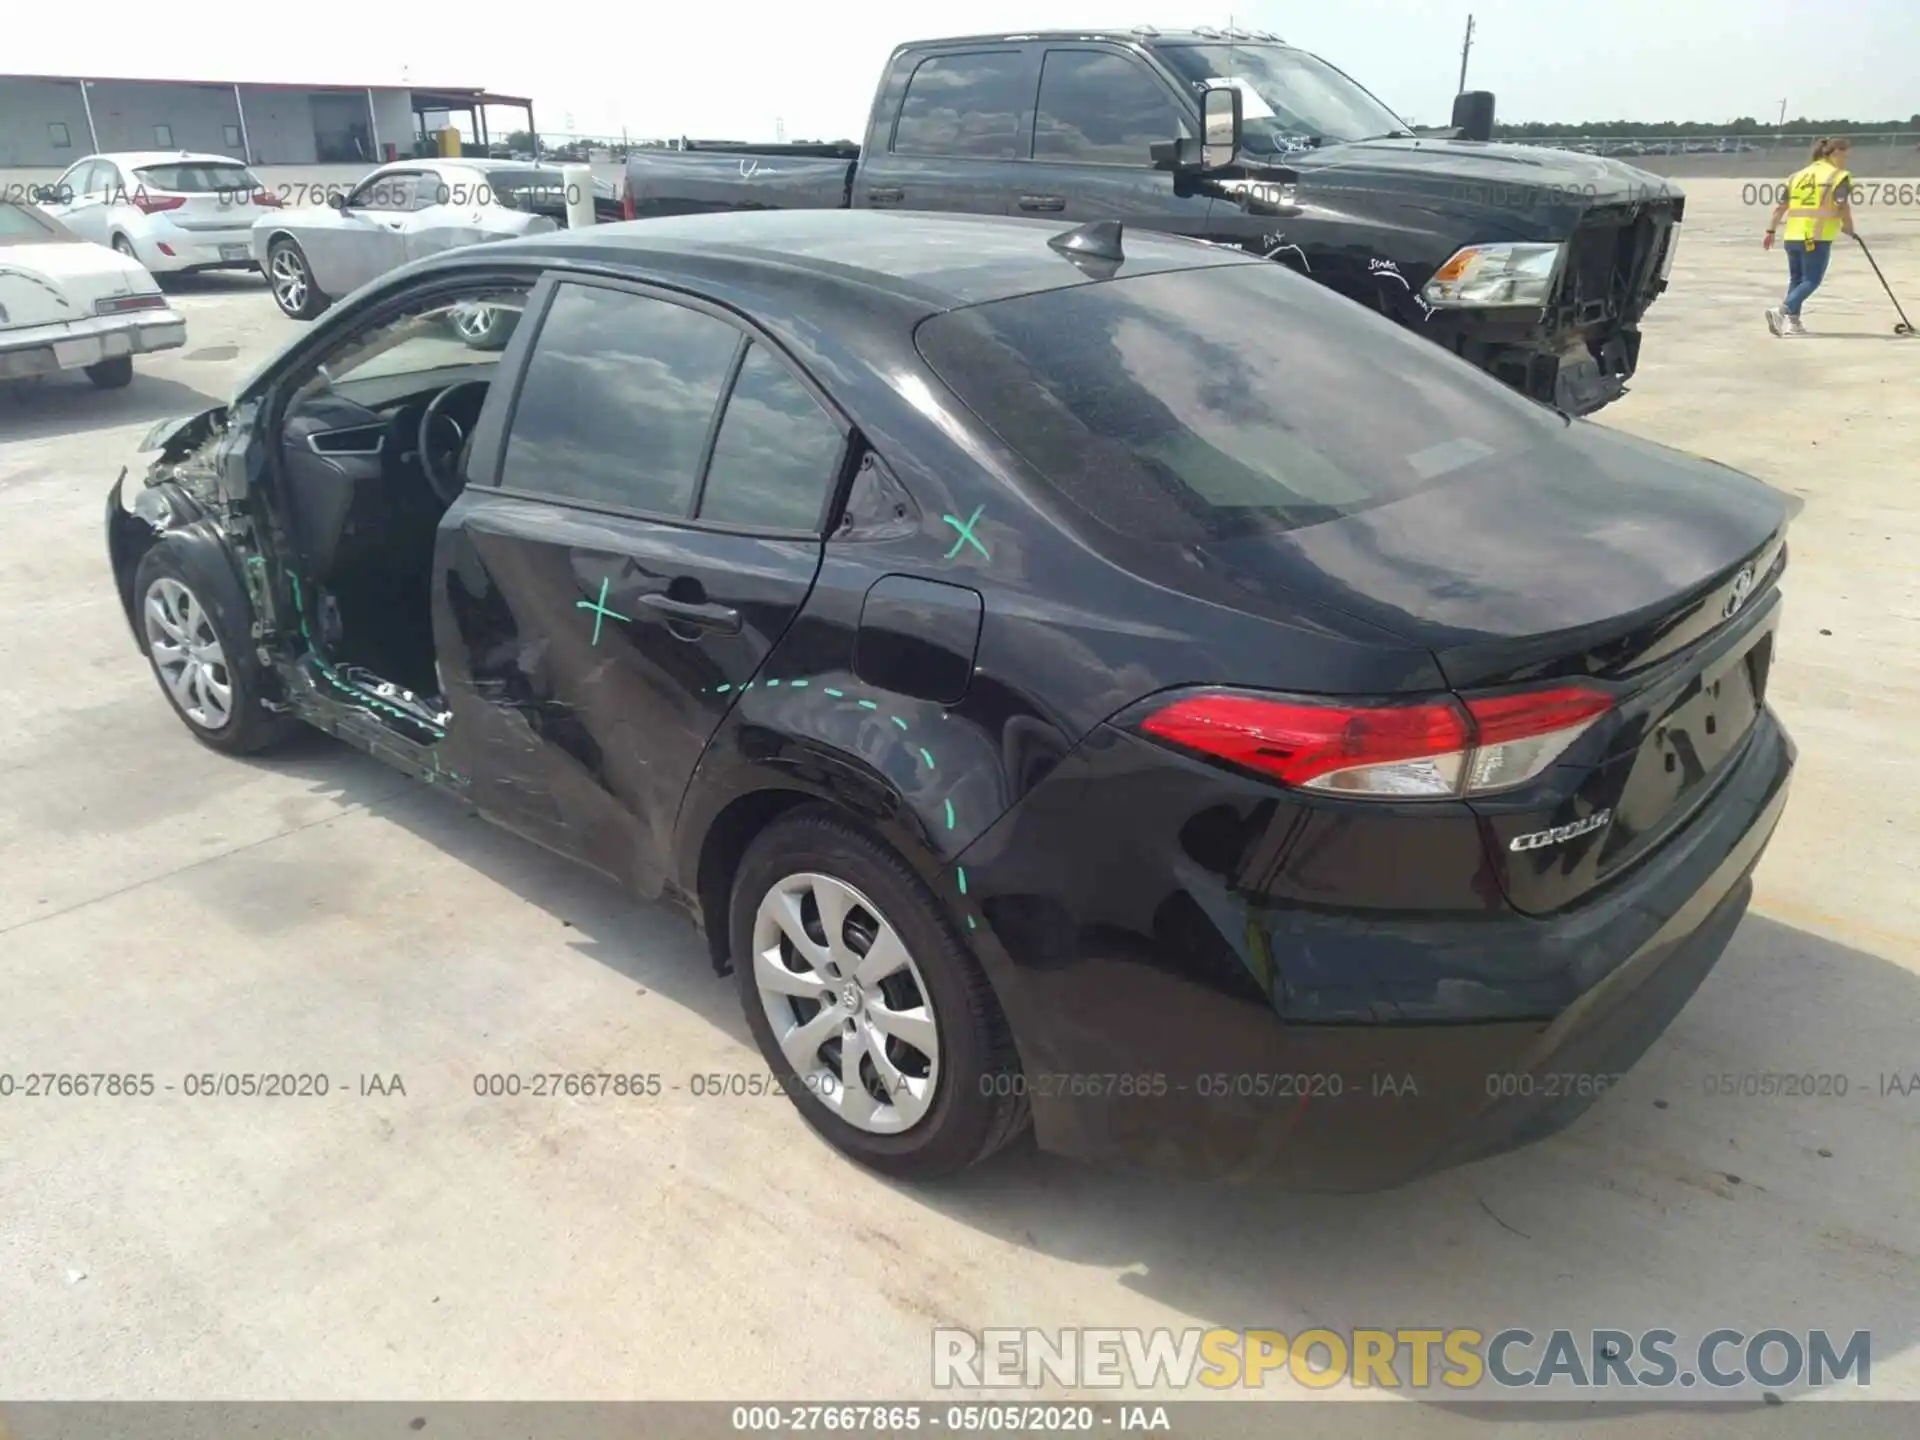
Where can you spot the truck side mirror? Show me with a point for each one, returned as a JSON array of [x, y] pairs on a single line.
[[1220, 119], [1473, 115], [1220, 122]]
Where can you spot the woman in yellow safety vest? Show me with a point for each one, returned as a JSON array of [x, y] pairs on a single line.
[[1815, 207]]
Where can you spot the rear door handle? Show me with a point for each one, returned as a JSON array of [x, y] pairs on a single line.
[[885, 195], [723, 619], [1042, 202]]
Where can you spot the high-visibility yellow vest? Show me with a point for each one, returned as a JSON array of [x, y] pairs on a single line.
[[1813, 201]]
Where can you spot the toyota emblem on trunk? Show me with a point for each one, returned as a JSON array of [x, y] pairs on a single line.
[[1742, 587]]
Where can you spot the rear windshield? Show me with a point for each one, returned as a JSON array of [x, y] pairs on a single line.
[[529, 189], [26, 223], [198, 178], [1219, 402]]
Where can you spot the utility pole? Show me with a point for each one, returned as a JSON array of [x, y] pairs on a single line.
[[779, 130], [1783, 113], [1465, 46]]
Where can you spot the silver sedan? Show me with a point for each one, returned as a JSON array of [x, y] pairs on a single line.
[[401, 212]]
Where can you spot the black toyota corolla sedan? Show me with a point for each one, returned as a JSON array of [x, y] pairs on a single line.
[[1085, 680]]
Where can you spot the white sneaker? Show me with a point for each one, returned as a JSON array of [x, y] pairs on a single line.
[[1794, 327], [1774, 319]]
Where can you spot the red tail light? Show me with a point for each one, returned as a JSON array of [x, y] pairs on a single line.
[[152, 204], [1430, 749], [263, 197]]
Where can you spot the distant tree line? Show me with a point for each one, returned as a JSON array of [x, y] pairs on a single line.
[[1662, 129]]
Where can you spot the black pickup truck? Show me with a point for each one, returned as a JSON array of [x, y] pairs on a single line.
[[1535, 264]]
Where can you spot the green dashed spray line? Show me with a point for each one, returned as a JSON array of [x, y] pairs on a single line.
[[313, 652], [926, 755]]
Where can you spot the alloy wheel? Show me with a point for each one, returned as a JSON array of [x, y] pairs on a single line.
[[187, 654], [475, 323], [287, 273], [848, 1005]]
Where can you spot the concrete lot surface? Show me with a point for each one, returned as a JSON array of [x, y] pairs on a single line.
[[166, 910]]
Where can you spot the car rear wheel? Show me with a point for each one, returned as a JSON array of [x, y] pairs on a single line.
[[867, 1005], [203, 659], [291, 280], [112, 374]]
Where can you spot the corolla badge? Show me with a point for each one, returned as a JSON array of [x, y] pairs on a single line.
[[1742, 588], [1540, 839]]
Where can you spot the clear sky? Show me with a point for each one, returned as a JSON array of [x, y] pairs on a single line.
[[734, 68]]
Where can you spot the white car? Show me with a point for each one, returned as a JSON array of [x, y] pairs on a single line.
[[68, 305], [400, 212], [173, 211]]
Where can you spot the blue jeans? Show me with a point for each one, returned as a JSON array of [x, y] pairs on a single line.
[[1805, 270]]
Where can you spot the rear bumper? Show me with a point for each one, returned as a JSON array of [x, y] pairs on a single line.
[[1141, 1046], [44, 349], [194, 249]]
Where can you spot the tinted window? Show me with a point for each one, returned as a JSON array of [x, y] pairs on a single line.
[[1100, 109], [28, 224], [619, 395], [776, 453], [966, 105], [1215, 402]]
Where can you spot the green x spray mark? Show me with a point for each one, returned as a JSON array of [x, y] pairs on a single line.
[[967, 537], [599, 608]]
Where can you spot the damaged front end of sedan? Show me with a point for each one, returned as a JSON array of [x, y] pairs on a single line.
[[201, 499]]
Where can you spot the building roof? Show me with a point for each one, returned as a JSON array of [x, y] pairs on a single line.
[[435, 96]]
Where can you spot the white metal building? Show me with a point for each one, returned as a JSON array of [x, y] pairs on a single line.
[[52, 120]]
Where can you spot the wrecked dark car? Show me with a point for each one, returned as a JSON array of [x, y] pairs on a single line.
[[1049, 716]]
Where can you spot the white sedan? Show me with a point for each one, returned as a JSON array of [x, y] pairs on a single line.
[[66, 304], [401, 212], [173, 211]]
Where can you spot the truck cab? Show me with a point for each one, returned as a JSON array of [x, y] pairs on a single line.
[[1535, 264]]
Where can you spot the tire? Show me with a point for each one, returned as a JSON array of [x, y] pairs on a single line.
[[112, 374], [125, 247], [244, 726], [290, 279], [968, 1102]]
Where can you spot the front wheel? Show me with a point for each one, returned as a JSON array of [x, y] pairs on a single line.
[[291, 280], [202, 659], [867, 1005]]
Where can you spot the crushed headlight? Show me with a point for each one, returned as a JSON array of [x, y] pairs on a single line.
[[1517, 274]]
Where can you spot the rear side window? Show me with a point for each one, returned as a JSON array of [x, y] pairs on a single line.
[[1101, 108], [26, 224], [777, 454], [618, 398], [1230, 400], [968, 105], [197, 179]]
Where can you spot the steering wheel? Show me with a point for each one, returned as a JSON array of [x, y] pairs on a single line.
[[444, 464]]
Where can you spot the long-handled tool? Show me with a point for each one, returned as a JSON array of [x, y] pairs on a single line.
[[1905, 327]]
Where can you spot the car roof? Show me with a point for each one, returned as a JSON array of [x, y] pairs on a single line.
[[1129, 34], [133, 159], [941, 261]]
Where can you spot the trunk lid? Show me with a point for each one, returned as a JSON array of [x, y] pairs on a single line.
[[59, 281], [1609, 560]]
